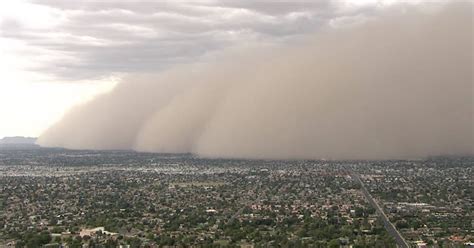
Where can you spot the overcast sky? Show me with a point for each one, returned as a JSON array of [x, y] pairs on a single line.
[[55, 54]]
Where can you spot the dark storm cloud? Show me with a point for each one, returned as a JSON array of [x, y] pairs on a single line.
[[101, 38]]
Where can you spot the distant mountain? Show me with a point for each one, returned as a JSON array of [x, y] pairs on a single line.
[[18, 142]]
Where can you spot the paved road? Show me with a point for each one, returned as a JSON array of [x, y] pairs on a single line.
[[401, 242]]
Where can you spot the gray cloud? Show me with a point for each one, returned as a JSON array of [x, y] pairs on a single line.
[[397, 86], [97, 38]]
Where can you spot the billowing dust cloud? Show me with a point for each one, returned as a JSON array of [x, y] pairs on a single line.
[[400, 86]]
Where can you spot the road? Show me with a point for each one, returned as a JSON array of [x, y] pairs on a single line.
[[401, 242]]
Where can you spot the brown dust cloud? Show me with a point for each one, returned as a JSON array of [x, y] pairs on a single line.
[[396, 86]]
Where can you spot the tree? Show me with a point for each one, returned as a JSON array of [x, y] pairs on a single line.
[[333, 243]]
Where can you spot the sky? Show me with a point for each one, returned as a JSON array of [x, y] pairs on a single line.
[[57, 54]]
